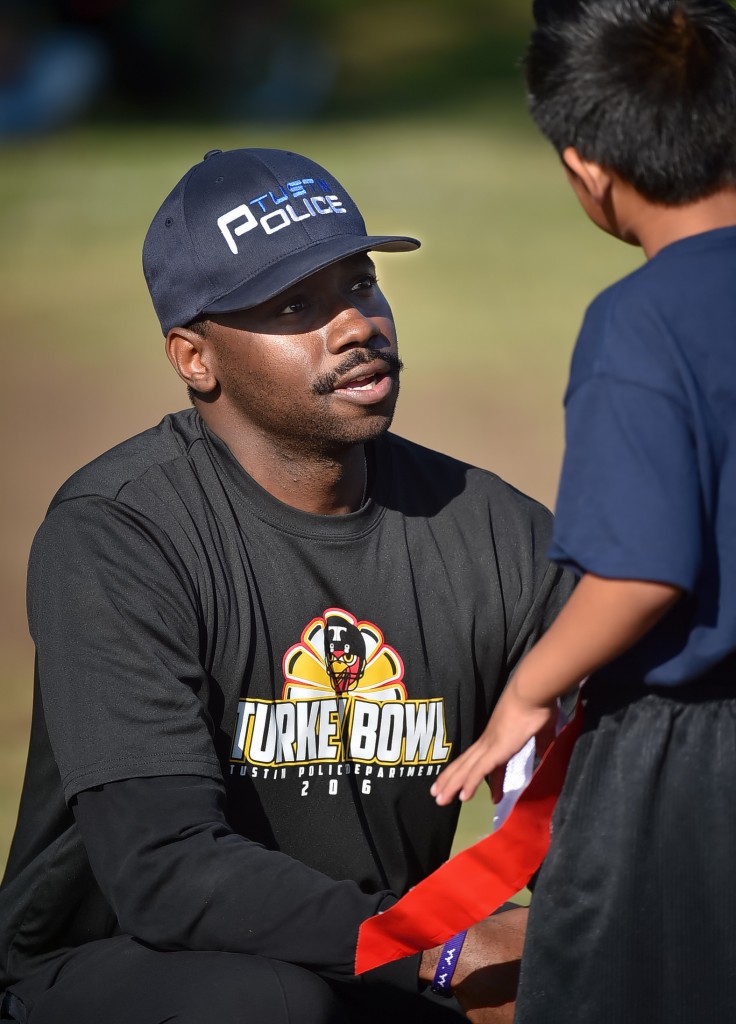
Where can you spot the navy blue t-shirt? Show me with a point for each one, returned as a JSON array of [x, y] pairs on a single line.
[[648, 488]]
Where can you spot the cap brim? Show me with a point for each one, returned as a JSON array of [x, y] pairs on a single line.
[[271, 281]]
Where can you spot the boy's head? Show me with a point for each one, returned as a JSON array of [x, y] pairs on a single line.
[[645, 88]]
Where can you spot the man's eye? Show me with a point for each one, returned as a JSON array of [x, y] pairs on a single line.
[[295, 306], [365, 284]]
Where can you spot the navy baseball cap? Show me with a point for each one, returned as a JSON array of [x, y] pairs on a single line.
[[242, 226]]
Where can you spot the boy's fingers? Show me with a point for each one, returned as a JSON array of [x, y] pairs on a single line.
[[477, 772], [470, 785], [443, 794], [465, 774], [461, 777], [444, 788]]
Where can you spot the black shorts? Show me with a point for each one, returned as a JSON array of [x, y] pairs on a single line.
[[634, 912]]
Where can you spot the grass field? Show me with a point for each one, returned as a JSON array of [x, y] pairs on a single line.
[[487, 312]]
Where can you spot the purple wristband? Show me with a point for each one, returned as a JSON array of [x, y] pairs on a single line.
[[447, 963]]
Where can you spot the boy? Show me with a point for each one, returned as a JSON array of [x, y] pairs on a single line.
[[634, 907]]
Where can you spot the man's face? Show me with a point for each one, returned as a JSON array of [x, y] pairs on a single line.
[[315, 368]]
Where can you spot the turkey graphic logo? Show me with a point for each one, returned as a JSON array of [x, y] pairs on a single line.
[[344, 704], [339, 656]]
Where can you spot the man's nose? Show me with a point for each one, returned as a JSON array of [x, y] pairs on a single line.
[[350, 327]]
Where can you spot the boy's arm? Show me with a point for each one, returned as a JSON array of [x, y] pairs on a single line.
[[602, 619]]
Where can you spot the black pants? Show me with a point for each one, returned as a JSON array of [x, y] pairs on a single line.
[[634, 913], [120, 981]]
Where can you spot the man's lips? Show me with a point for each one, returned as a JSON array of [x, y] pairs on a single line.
[[358, 372], [362, 377], [366, 389]]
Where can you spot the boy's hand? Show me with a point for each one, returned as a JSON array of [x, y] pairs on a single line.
[[515, 720]]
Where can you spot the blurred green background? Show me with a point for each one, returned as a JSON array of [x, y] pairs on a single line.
[[417, 106]]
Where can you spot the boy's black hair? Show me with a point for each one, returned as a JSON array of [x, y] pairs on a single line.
[[646, 88]]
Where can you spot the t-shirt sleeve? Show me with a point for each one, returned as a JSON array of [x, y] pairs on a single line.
[[113, 613], [629, 499]]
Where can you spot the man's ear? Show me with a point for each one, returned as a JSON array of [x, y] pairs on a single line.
[[590, 176], [191, 356]]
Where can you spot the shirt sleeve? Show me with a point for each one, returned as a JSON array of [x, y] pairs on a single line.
[[628, 505], [178, 877], [113, 609]]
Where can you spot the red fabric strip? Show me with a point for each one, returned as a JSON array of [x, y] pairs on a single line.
[[475, 882]]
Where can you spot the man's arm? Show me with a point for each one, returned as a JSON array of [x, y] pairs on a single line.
[[487, 972], [178, 877]]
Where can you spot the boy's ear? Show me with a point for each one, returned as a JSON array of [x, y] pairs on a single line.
[[191, 355], [593, 178]]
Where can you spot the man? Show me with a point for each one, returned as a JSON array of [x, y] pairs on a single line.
[[261, 628]]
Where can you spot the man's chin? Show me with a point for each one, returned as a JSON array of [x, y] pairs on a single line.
[[376, 426], [358, 433]]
